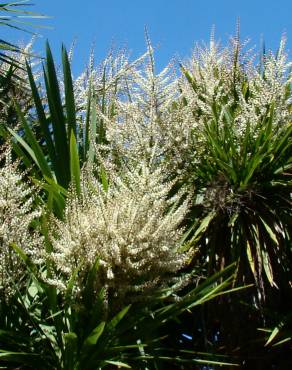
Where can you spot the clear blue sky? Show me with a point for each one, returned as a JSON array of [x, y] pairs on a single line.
[[173, 25]]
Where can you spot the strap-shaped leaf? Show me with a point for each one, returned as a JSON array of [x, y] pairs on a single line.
[[17, 148], [69, 93], [70, 350], [58, 120], [93, 337], [119, 316], [86, 133], [41, 116], [74, 163], [118, 364], [37, 154], [92, 133]]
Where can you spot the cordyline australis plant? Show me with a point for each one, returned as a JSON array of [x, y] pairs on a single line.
[[241, 165], [131, 230]]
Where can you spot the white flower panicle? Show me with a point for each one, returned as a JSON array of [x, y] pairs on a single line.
[[134, 104], [219, 75], [132, 229], [17, 213]]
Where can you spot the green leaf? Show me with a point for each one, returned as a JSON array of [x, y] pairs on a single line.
[[25, 146], [72, 281], [88, 292], [17, 148], [92, 134], [70, 351], [115, 321], [30, 265], [205, 291], [69, 93], [58, 120], [19, 357], [250, 258], [252, 167], [268, 267], [104, 178], [37, 155], [93, 337], [86, 131], [270, 231], [282, 341], [41, 116], [56, 195], [273, 335], [118, 364], [204, 224], [74, 164]]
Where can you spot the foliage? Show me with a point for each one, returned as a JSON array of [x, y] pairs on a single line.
[[12, 16], [15, 87], [241, 169], [150, 183]]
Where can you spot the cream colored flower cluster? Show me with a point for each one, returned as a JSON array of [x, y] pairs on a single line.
[[17, 212], [132, 229], [134, 104], [229, 77]]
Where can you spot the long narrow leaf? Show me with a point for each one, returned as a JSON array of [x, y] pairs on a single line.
[[41, 116], [69, 93], [74, 164], [38, 155]]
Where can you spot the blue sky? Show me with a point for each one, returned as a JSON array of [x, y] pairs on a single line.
[[173, 25]]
